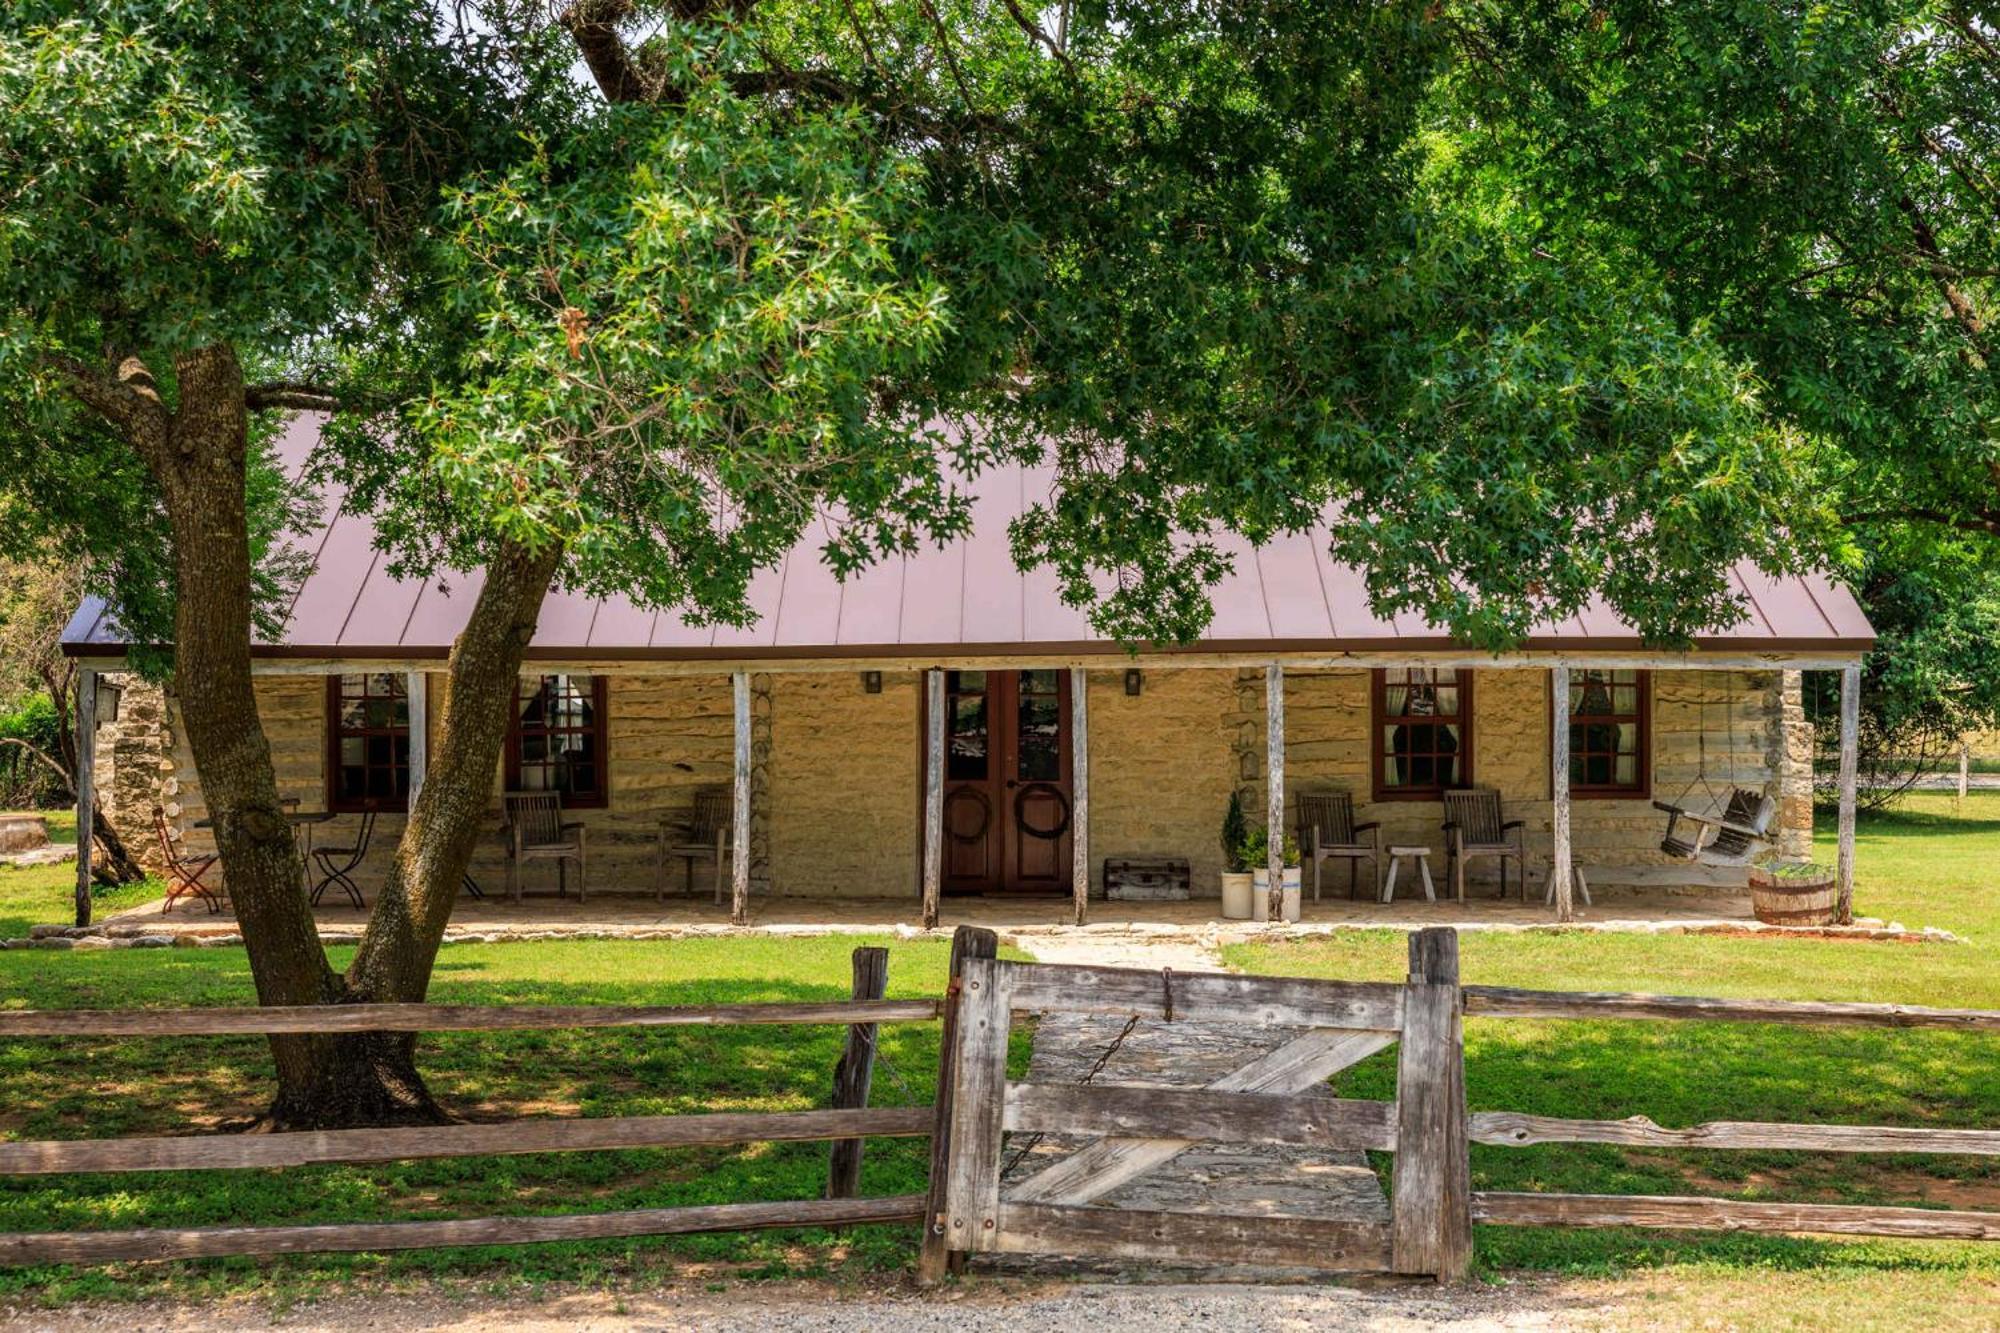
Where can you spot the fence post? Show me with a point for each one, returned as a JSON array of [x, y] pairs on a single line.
[[937, 1255], [855, 1074], [1432, 1208]]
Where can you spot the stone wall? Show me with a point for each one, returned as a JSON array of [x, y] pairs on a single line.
[[836, 796]]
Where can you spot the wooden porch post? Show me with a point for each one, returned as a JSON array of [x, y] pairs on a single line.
[[416, 686], [1274, 791], [1559, 853], [933, 794], [86, 778], [739, 856], [1850, 740], [1079, 779]]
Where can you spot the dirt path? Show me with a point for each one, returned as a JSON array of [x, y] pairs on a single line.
[[983, 1307]]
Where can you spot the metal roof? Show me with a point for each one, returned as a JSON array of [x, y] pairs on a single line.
[[964, 599]]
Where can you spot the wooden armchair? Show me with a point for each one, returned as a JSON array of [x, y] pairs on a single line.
[[535, 831], [701, 834], [184, 873], [1327, 832], [1474, 830]]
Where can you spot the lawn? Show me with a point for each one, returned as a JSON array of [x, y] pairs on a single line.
[[1924, 863], [40, 894]]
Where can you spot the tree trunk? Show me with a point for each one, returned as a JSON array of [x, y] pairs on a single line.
[[199, 459], [408, 923], [116, 865]]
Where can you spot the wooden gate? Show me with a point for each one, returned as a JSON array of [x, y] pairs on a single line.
[[1133, 1130]]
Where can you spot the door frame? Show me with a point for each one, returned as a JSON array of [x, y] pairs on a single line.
[[1008, 885]]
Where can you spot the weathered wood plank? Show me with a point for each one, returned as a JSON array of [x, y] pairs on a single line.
[[1079, 785], [1559, 852], [1512, 1129], [1207, 996], [1850, 753], [1432, 1182], [1696, 1214], [739, 824], [1323, 1244], [1098, 1168], [251, 1020], [1508, 1002], [96, 1247], [86, 789], [936, 1255], [594, 1134], [933, 796], [417, 697], [979, 1082], [1200, 1114], [854, 1076], [1274, 787]]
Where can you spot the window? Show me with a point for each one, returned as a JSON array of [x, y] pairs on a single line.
[[557, 739], [1422, 732], [1607, 733], [368, 742]]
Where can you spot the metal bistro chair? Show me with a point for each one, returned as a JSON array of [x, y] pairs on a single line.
[[1327, 832], [338, 864], [1473, 831], [536, 832], [184, 873], [703, 834]]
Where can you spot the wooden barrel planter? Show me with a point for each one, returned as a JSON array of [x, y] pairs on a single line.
[[1804, 898]]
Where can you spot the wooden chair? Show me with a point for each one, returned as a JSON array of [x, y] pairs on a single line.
[[1327, 832], [338, 864], [536, 832], [184, 873], [1473, 830], [1741, 831], [702, 834]]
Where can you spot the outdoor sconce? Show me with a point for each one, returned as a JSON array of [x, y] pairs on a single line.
[[108, 695], [1135, 681], [871, 682]]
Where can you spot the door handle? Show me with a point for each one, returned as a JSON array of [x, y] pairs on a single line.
[[1011, 784]]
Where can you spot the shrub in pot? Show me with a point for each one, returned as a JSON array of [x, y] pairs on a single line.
[[1236, 879], [1256, 854], [1801, 893]]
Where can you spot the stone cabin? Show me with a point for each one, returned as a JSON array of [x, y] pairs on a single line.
[[1058, 751]]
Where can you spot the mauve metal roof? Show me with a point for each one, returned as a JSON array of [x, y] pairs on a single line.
[[966, 598]]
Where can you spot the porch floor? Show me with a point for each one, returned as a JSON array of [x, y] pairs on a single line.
[[609, 913]]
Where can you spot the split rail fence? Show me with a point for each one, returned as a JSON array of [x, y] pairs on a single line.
[[1123, 1131]]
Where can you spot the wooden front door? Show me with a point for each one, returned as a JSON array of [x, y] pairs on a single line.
[[1006, 782]]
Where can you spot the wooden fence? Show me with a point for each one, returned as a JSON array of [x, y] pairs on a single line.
[[848, 1122], [1126, 1131]]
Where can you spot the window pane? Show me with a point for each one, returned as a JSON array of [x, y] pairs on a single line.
[[1628, 738], [1447, 701], [966, 739], [1040, 741], [1628, 770]]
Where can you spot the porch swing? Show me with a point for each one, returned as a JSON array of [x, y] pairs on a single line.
[[1740, 824]]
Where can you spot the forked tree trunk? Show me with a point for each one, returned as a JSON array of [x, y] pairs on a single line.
[[408, 923]]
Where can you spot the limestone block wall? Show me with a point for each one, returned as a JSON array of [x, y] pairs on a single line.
[[1161, 767], [845, 801]]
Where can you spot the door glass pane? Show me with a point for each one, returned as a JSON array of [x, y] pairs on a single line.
[[1040, 738], [965, 738]]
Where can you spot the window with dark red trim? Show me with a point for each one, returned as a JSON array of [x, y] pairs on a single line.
[[368, 742], [1608, 741], [1422, 732], [557, 739]]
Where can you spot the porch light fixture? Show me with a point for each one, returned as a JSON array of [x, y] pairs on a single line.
[[871, 682], [1135, 681]]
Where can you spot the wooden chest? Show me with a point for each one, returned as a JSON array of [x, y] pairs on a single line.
[[1146, 878]]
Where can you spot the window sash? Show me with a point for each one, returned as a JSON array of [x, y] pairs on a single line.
[[545, 770], [1586, 730], [380, 777], [1394, 690]]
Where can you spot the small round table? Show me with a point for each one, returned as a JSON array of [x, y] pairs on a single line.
[[1397, 855]]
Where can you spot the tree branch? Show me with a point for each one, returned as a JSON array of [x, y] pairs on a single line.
[[42, 755], [127, 399], [294, 394], [593, 26]]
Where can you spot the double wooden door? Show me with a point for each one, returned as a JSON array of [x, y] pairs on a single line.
[[1007, 798]]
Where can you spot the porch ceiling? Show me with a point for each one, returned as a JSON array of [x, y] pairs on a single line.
[[966, 602]]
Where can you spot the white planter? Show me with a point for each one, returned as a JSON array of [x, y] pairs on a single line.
[[1236, 892], [1260, 894]]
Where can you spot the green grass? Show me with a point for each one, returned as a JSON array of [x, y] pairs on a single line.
[[38, 895], [1921, 864], [103, 1089]]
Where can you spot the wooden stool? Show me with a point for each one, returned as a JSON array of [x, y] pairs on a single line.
[[1576, 877], [1397, 855]]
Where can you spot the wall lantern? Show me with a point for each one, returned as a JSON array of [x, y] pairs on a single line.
[[871, 682], [1135, 681]]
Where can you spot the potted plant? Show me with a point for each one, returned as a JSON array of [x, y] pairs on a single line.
[[1798, 893], [1256, 853], [1236, 880]]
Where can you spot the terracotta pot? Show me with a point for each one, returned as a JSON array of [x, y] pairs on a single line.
[[1793, 900]]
